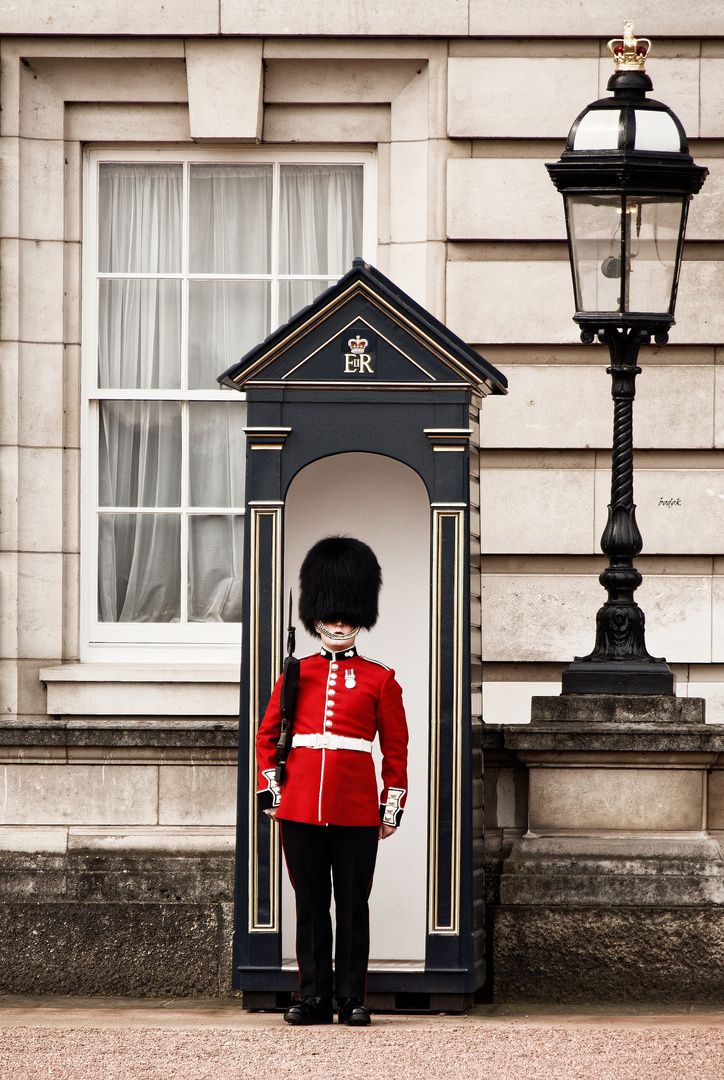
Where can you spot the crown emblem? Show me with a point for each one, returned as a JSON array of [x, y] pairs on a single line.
[[357, 344], [629, 53]]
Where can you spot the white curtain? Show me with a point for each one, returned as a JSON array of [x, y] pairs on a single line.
[[230, 213], [139, 334], [230, 210], [139, 347], [139, 568], [320, 228], [139, 216], [142, 443], [320, 212], [139, 555], [217, 464], [226, 319]]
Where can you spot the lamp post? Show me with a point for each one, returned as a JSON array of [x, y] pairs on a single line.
[[626, 177]]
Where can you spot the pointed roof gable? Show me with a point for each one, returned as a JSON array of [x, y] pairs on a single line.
[[366, 332]]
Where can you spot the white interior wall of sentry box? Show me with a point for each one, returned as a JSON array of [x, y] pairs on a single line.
[[385, 503]]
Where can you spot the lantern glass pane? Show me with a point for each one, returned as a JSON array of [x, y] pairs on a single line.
[[594, 224], [653, 227], [656, 131], [598, 129]]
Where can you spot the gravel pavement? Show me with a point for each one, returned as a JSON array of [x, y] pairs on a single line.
[[186, 1041]]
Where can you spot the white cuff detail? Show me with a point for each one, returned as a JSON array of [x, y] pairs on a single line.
[[273, 787], [393, 812]]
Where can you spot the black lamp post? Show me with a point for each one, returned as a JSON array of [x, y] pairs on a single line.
[[626, 177]]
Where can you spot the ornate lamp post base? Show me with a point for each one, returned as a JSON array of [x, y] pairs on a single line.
[[618, 677]]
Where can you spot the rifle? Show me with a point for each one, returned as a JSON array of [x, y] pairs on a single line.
[[287, 699]]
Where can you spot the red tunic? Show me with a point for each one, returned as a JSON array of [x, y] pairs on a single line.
[[343, 694]]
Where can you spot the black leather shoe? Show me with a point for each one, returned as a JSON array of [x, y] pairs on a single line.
[[311, 1010], [353, 1013]]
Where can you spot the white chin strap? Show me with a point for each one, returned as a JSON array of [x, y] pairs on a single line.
[[334, 635]]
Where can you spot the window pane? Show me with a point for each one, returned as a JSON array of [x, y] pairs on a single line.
[[139, 568], [230, 219], [215, 562], [217, 453], [226, 319], [294, 295], [139, 219], [139, 334], [320, 218], [139, 445]]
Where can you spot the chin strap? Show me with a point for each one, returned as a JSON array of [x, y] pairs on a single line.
[[332, 634]]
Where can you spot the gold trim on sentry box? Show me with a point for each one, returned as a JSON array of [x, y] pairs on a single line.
[[435, 926], [258, 512]]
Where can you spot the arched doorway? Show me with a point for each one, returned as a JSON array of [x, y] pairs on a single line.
[[385, 503]]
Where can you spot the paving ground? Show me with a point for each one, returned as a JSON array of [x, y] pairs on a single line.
[[97, 1039]]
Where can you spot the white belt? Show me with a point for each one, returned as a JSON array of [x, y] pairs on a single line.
[[331, 742]]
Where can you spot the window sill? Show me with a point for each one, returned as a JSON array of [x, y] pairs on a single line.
[[149, 690]]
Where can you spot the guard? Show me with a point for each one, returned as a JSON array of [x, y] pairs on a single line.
[[328, 806]]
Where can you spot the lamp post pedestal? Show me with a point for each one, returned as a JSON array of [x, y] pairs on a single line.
[[620, 662], [612, 888]]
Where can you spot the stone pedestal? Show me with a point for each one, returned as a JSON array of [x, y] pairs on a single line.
[[616, 890]]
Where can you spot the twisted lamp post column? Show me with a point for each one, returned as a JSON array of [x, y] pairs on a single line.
[[620, 622]]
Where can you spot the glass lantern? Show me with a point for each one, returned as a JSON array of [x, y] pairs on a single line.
[[626, 177]]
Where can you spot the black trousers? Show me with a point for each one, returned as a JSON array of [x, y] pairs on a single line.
[[316, 857]]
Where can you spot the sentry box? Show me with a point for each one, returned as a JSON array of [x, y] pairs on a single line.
[[363, 419]]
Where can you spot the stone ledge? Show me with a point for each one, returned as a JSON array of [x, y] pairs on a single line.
[[103, 879], [31, 842], [492, 736], [639, 737], [614, 870], [140, 673], [617, 709], [100, 732]]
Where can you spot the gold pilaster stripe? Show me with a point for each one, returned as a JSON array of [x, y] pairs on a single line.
[[258, 513], [457, 515]]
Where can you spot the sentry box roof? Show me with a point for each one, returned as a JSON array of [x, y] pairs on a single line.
[[365, 332]]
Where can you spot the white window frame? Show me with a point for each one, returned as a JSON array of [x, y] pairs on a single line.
[[146, 643]]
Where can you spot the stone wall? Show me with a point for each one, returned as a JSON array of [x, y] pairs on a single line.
[[139, 908]]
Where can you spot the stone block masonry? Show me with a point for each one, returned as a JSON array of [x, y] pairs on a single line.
[[605, 869], [141, 908]]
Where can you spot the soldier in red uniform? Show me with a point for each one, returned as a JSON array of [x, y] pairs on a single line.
[[329, 809]]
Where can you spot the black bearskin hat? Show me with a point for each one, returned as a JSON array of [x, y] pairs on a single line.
[[339, 580]]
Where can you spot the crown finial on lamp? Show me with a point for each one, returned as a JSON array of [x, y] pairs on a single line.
[[629, 53]]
